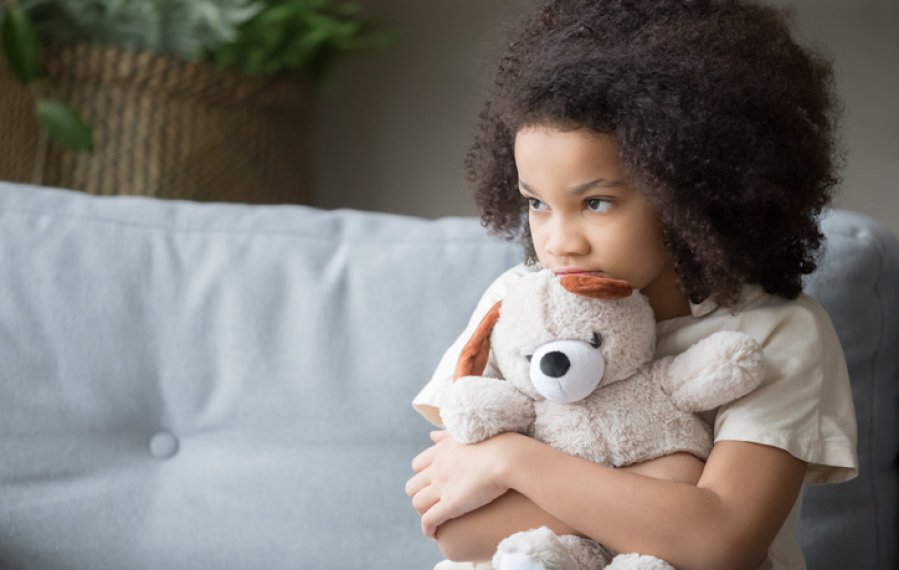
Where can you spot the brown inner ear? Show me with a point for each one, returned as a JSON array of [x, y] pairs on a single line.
[[473, 359], [597, 287]]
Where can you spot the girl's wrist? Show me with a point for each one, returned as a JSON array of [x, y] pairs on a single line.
[[512, 449]]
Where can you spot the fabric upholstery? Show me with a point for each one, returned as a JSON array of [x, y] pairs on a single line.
[[853, 525]]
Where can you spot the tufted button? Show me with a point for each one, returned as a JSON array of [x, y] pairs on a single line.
[[163, 445]]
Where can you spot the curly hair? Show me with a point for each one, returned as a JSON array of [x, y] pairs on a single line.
[[721, 119]]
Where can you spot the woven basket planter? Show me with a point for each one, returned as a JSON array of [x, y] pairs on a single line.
[[162, 127]]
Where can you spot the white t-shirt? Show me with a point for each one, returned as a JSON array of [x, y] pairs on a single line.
[[804, 405]]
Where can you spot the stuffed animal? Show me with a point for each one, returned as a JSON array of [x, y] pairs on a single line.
[[570, 361]]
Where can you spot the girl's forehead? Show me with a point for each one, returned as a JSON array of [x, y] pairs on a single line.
[[544, 148]]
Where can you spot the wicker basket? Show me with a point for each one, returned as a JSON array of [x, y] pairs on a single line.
[[162, 127]]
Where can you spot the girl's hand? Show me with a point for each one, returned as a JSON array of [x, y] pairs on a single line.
[[453, 479]]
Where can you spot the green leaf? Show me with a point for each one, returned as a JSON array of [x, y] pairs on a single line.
[[65, 125], [275, 16], [20, 45]]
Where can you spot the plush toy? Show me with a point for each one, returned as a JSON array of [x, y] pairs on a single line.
[[573, 366]]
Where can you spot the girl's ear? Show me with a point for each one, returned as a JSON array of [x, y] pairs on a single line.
[[597, 287], [473, 359]]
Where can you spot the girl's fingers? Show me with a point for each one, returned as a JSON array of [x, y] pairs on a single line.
[[438, 436], [416, 484], [425, 499], [423, 459], [438, 514]]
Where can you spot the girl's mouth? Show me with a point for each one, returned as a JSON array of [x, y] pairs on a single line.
[[576, 271]]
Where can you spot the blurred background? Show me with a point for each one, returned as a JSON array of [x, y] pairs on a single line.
[[391, 129]]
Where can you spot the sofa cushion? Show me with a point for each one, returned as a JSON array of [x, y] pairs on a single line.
[[219, 386]]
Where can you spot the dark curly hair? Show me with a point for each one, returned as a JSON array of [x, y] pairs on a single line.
[[722, 121]]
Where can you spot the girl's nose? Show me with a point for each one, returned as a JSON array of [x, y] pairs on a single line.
[[566, 239]]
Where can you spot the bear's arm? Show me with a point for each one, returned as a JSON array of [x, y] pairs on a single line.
[[475, 408], [717, 370]]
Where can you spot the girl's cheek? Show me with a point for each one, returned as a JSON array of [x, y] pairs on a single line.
[[534, 226]]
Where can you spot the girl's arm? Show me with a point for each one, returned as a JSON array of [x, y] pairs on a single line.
[[474, 536], [727, 521]]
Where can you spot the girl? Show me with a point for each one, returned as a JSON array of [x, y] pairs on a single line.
[[687, 147]]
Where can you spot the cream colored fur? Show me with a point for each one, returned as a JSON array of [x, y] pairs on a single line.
[[641, 409]]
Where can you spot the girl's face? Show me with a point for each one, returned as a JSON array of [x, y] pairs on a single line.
[[585, 217]]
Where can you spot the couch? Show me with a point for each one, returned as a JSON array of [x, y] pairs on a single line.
[[187, 386]]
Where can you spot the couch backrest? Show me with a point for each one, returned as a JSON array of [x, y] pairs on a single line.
[[854, 524], [222, 386]]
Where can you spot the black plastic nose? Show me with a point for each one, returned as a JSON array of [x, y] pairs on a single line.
[[554, 364]]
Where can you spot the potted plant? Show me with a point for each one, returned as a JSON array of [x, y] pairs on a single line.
[[196, 99]]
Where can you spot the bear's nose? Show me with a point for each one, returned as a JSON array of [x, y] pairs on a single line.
[[554, 364]]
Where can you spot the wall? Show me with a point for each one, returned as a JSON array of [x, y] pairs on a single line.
[[391, 129]]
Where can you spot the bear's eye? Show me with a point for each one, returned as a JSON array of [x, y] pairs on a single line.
[[597, 340]]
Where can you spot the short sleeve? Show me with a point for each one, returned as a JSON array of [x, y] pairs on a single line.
[[427, 402], [804, 404]]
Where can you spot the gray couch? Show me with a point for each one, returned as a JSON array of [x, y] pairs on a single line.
[[187, 386]]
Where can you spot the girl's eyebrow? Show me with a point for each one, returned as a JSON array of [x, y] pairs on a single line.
[[581, 188]]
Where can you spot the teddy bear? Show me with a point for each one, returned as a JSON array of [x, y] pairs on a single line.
[[569, 360]]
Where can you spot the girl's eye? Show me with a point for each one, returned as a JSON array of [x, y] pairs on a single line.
[[598, 204], [536, 205]]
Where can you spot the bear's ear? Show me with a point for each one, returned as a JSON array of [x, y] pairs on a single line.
[[597, 287], [473, 359]]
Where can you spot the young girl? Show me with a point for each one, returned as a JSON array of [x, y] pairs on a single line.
[[687, 147]]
